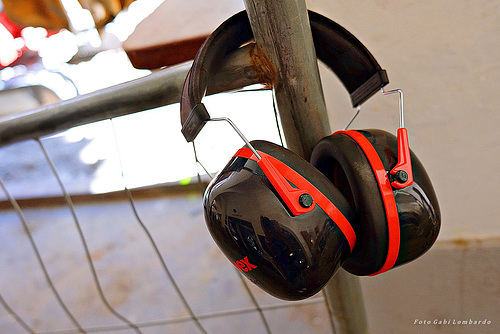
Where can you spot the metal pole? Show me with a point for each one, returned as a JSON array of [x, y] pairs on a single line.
[[155, 90], [283, 32], [345, 302]]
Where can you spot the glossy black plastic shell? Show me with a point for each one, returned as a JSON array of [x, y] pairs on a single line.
[[341, 159], [295, 256]]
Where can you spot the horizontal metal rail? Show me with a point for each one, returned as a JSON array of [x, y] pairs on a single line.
[[158, 89]]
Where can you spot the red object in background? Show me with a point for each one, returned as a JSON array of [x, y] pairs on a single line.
[[13, 42], [13, 28], [9, 31]]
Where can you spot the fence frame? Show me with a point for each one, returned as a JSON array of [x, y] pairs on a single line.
[[287, 43]]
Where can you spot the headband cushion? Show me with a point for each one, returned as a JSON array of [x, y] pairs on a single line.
[[343, 53], [348, 58]]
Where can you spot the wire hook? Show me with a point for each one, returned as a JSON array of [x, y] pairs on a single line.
[[401, 104]]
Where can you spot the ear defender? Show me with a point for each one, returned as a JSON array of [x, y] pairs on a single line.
[[289, 253], [396, 209], [288, 226]]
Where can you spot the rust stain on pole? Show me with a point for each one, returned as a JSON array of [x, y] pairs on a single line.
[[264, 68]]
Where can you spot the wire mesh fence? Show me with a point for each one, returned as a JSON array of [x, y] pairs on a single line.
[[143, 265]]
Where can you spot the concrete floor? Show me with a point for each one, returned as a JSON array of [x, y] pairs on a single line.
[[128, 269], [130, 273]]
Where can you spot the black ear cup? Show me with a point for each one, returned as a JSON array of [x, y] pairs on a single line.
[[290, 257], [345, 163]]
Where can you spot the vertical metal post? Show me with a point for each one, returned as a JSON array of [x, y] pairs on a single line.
[[283, 33]]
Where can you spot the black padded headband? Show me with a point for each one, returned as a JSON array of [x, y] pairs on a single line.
[[337, 48]]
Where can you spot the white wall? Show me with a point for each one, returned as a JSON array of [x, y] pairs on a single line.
[[445, 55]]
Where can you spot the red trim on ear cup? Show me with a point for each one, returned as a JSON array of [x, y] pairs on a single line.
[[404, 160], [298, 180], [290, 195], [387, 196]]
